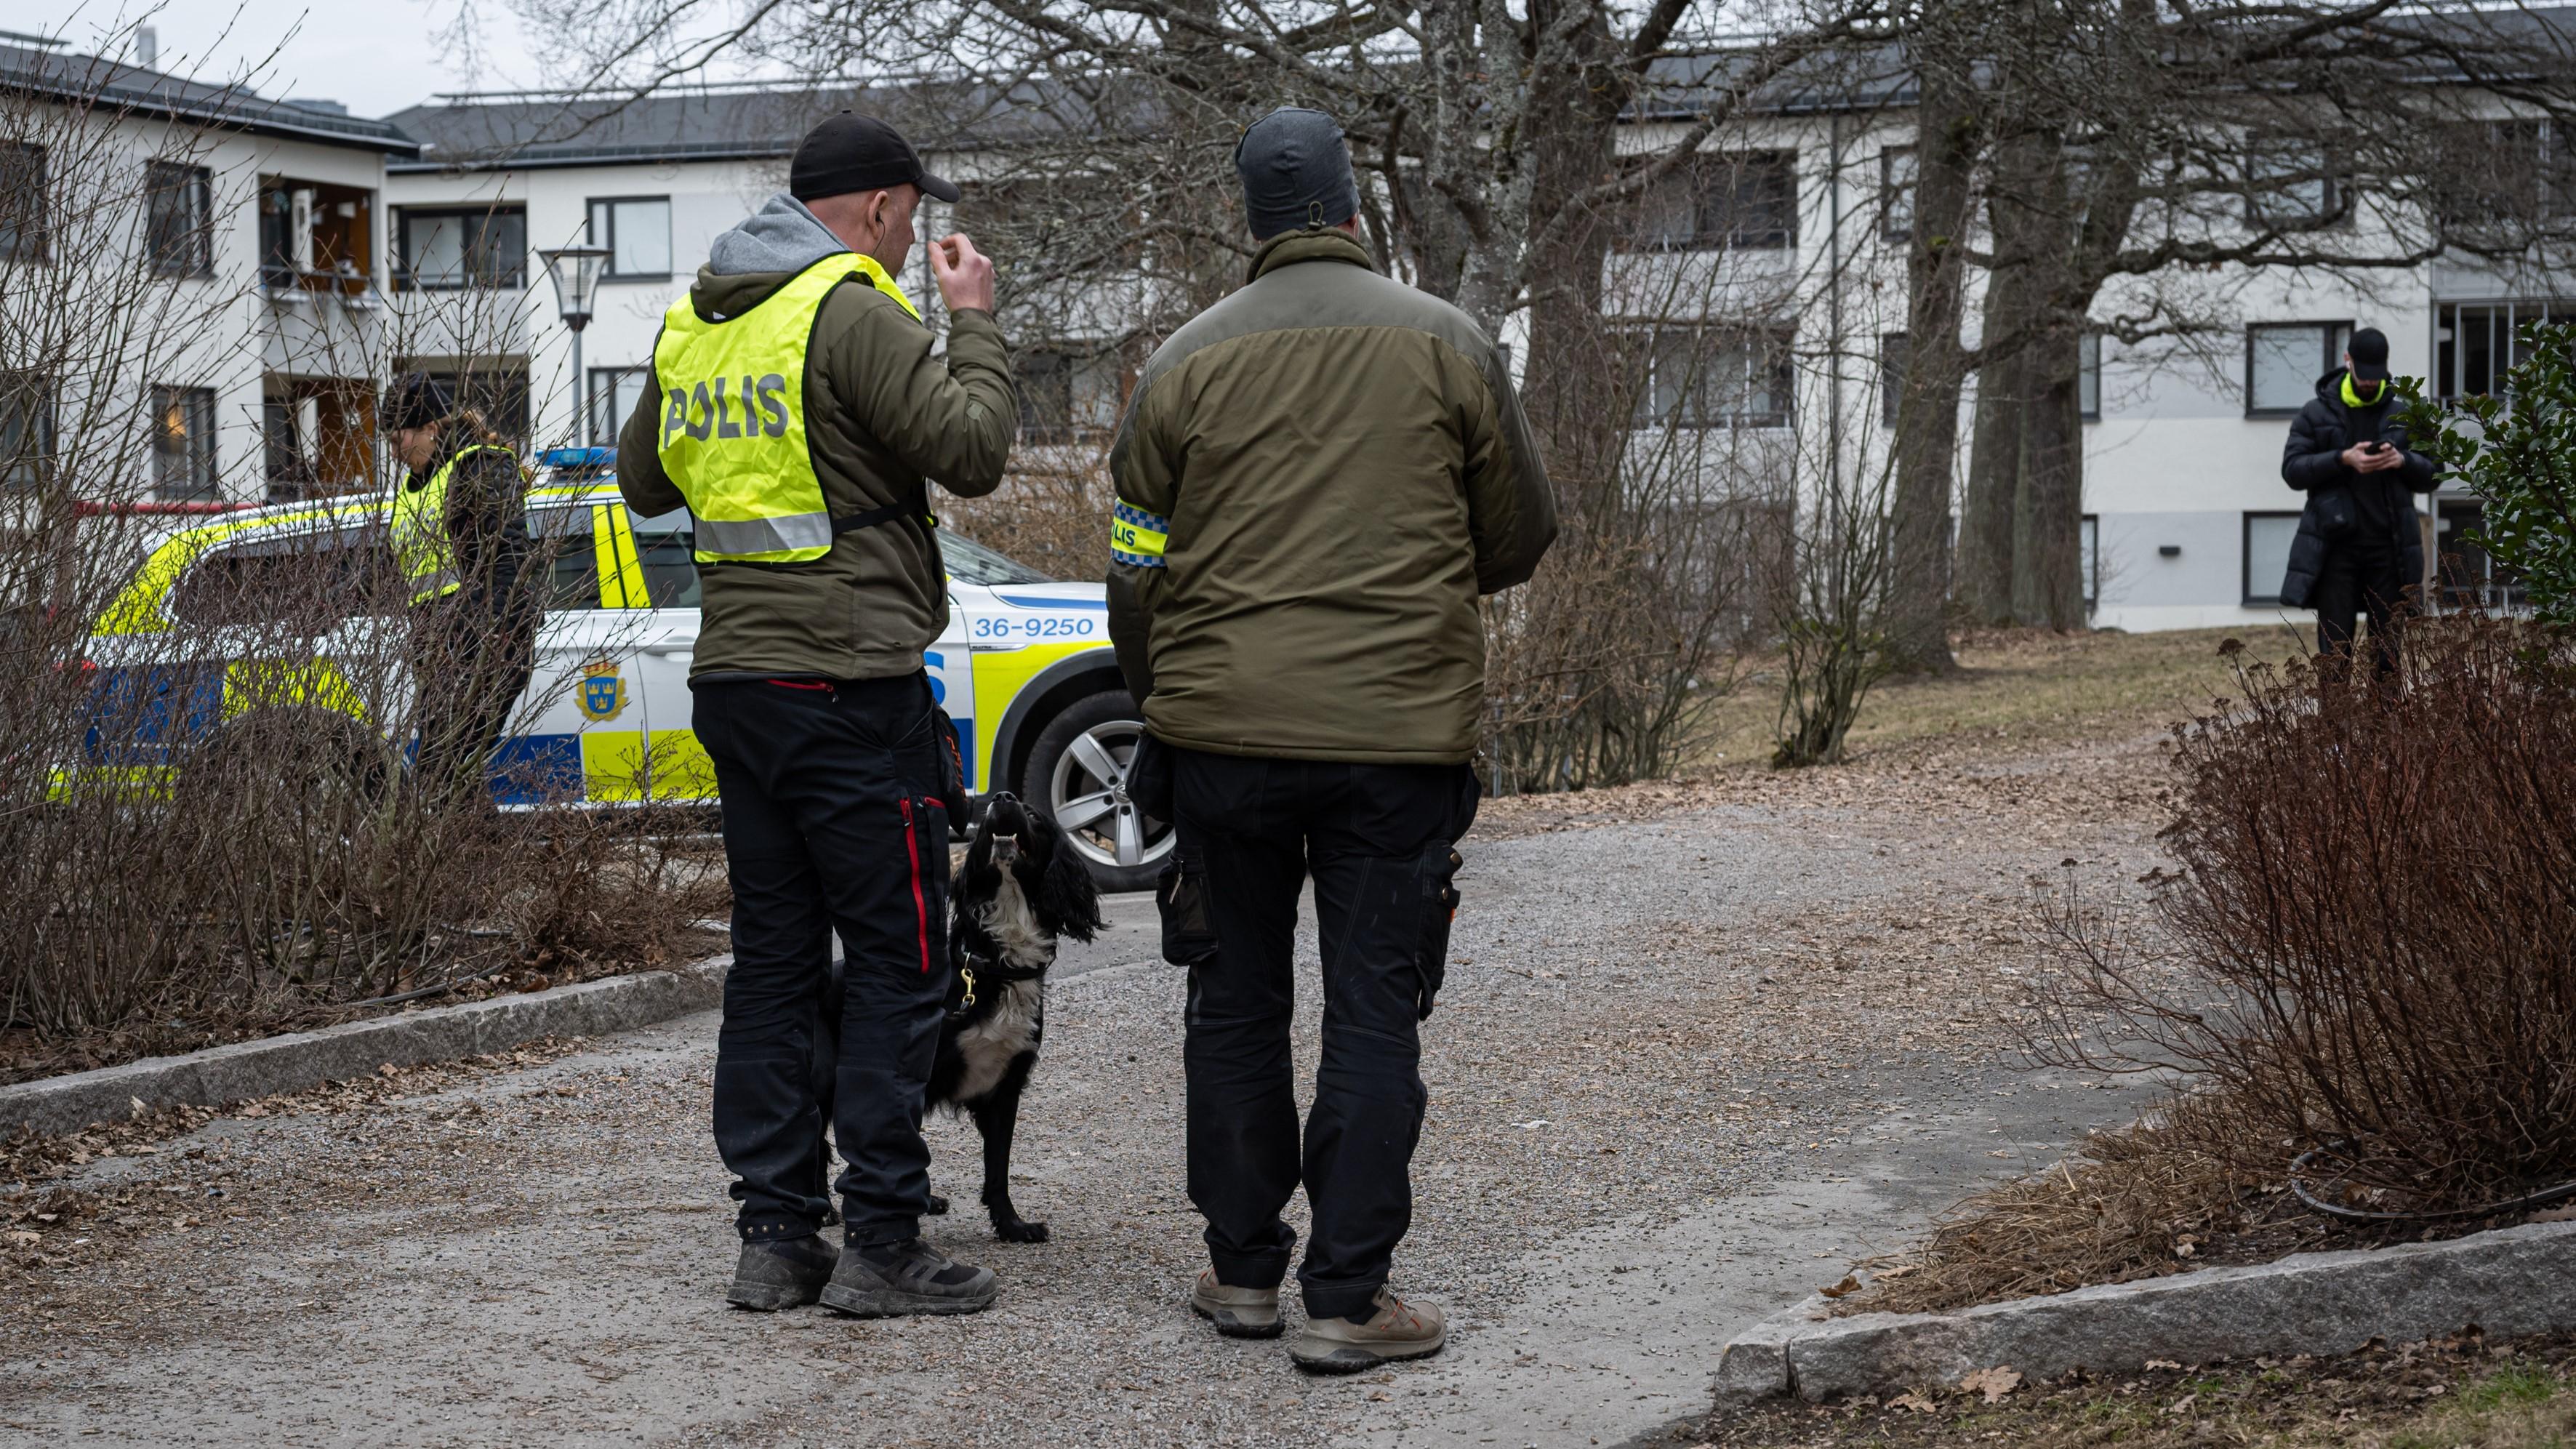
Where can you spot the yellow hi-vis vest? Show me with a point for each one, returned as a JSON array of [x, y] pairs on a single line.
[[734, 438], [421, 545]]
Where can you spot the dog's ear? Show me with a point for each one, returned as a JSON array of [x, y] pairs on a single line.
[[1068, 900]]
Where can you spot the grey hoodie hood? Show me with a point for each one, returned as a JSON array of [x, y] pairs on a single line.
[[780, 237]]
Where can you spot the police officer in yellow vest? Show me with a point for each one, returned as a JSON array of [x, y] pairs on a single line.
[[797, 408], [460, 537]]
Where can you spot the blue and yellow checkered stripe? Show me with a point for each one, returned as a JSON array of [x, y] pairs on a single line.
[[1137, 538]]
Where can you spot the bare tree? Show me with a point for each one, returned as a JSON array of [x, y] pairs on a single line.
[[2149, 159]]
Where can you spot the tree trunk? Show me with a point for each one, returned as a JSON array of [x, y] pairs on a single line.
[[1573, 380], [1985, 581], [2029, 240], [2048, 579], [1927, 419]]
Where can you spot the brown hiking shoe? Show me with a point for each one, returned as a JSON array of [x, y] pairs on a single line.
[[1399, 1330], [1236, 1312]]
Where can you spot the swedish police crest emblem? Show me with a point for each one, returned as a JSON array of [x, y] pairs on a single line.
[[603, 690]]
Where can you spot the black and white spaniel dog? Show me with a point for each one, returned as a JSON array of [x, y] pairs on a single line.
[[1022, 888]]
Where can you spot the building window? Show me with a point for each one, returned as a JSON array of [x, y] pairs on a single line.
[[22, 202], [2283, 362], [2503, 173], [1716, 378], [178, 219], [2289, 183], [183, 443], [1067, 391], [614, 394], [2088, 377], [636, 230], [1893, 350], [2476, 344], [26, 431], [449, 249], [1897, 169], [2267, 555], [1721, 201]]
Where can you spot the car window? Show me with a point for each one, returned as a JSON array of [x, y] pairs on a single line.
[[569, 552], [670, 570], [977, 564], [313, 577]]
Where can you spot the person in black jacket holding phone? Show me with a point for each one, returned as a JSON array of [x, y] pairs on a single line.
[[2360, 546]]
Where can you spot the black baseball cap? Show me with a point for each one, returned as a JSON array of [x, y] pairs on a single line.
[[2369, 352], [414, 400], [850, 152]]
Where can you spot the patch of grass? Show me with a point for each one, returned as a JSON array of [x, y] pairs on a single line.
[[2016, 689], [2516, 1383]]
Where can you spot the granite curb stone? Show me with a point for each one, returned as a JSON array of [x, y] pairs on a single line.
[[2505, 1283], [297, 1060]]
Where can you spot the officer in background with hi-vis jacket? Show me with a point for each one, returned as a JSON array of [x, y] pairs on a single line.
[[459, 533], [796, 408]]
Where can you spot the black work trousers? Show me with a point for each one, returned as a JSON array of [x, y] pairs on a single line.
[[470, 666], [832, 821], [2359, 582], [1378, 840]]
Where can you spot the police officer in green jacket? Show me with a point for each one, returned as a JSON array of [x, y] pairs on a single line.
[[459, 530], [797, 409]]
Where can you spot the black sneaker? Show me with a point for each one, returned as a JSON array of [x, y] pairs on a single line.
[[894, 1279], [781, 1273]]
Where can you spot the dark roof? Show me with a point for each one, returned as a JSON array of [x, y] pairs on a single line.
[[524, 130], [73, 77], [762, 121]]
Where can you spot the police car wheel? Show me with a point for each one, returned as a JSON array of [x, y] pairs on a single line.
[[1079, 767]]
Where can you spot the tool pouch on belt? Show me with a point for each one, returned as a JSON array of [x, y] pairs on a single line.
[[1180, 894], [952, 771], [1149, 776], [1435, 874]]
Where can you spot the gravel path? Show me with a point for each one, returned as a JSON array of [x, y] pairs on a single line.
[[1701, 1045]]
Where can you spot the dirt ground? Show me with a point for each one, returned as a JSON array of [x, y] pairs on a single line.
[[2462, 1394], [1703, 1044]]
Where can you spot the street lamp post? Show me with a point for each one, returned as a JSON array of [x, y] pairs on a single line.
[[575, 271]]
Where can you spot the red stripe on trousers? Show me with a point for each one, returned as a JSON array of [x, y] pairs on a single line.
[[920, 908]]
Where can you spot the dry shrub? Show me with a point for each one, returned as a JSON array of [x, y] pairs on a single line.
[[2370, 951], [213, 828], [2141, 1202], [607, 892], [1051, 512]]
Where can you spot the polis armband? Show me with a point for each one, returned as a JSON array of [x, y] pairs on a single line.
[[1137, 538]]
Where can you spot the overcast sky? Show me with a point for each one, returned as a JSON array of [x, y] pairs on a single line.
[[374, 56]]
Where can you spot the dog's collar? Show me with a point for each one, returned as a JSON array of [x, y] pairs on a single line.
[[989, 969], [980, 967]]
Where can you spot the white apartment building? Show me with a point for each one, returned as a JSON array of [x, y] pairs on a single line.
[[1796, 222], [259, 222]]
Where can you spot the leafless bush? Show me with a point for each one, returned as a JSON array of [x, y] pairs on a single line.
[[1050, 513], [209, 814], [2371, 948], [1835, 643]]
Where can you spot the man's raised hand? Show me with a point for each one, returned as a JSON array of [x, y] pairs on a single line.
[[965, 275]]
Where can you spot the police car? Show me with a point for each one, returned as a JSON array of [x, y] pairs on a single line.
[[1024, 666]]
